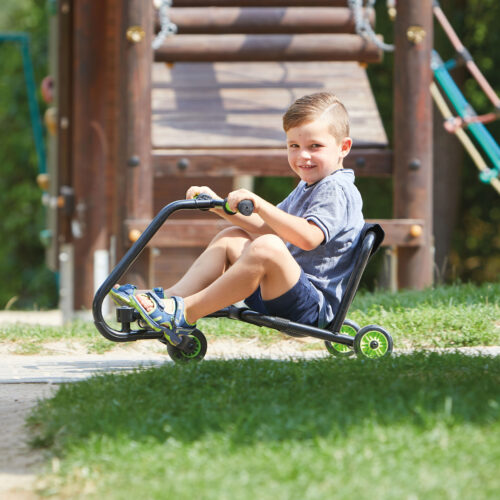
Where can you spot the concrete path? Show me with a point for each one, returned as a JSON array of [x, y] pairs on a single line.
[[57, 369], [16, 369]]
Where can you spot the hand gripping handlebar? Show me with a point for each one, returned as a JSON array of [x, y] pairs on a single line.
[[245, 207]]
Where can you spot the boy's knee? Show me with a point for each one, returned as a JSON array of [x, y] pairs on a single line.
[[269, 247], [230, 232]]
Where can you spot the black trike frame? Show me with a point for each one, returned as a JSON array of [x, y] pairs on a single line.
[[371, 239]]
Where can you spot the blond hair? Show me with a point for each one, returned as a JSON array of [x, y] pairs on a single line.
[[321, 105]]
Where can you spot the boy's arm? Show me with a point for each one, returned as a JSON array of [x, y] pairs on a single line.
[[296, 230]]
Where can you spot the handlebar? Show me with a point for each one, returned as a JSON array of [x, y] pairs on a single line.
[[245, 207], [202, 202]]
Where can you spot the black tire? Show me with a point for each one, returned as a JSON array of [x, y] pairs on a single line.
[[198, 349], [373, 342], [341, 350]]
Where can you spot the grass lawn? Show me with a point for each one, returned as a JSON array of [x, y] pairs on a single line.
[[447, 316], [420, 426], [413, 426]]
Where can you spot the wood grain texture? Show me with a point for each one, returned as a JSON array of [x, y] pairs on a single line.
[[240, 105]]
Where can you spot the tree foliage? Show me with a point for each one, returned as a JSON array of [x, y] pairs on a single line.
[[24, 277]]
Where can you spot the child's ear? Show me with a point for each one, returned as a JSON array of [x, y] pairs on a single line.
[[345, 146]]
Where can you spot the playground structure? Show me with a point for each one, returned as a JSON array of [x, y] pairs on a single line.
[[136, 125]]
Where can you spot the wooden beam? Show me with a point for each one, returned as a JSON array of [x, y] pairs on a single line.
[[413, 136], [260, 3], [407, 233], [253, 20], [257, 162], [234, 48], [198, 232]]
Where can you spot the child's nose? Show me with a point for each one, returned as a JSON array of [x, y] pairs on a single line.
[[304, 153]]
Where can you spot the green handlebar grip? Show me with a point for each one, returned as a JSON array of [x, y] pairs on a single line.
[[227, 209]]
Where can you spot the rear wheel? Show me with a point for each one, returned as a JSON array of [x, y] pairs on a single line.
[[195, 349], [373, 342], [341, 350]]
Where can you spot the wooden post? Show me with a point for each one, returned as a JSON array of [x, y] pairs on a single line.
[[64, 99], [413, 136], [89, 144], [95, 144], [137, 169]]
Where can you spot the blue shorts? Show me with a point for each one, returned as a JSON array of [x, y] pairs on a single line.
[[300, 304]]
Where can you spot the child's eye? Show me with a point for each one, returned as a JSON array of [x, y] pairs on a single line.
[[293, 145], [317, 146]]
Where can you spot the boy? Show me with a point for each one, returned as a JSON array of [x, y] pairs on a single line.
[[292, 260]]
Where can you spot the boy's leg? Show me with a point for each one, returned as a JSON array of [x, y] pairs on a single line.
[[224, 249], [265, 262]]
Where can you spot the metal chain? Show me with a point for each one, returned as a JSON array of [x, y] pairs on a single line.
[[363, 26], [167, 27]]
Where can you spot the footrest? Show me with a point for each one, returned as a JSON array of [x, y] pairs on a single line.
[[126, 314]]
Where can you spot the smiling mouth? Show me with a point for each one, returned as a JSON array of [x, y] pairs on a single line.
[[307, 166]]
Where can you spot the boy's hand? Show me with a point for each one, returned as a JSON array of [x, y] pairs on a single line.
[[194, 191], [234, 197]]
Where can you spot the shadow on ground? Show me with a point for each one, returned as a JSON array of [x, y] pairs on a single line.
[[252, 400]]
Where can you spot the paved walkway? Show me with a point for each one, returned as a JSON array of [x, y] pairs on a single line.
[[16, 369], [71, 368]]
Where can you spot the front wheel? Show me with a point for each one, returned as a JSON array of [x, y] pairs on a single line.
[[341, 350], [373, 342], [195, 349]]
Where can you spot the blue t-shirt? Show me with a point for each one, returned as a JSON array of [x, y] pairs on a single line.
[[335, 206]]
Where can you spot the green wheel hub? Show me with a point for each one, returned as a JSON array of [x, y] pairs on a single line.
[[197, 349], [373, 342], [348, 328], [195, 345]]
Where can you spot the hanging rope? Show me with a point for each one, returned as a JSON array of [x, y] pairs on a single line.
[[167, 27], [363, 26]]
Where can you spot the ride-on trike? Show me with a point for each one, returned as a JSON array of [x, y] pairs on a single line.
[[342, 337]]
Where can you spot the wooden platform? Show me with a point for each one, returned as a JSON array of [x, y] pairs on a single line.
[[240, 105]]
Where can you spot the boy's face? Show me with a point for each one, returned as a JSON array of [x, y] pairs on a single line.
[[313, 152]]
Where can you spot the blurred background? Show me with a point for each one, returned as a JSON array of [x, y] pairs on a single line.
[[469, 252]]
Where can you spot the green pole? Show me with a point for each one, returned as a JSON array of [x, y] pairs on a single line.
[[36, 122]]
